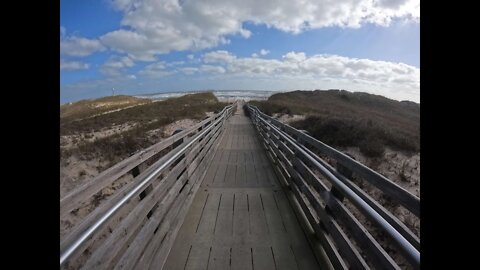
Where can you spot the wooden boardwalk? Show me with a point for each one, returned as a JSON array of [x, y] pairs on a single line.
[[240, 217]]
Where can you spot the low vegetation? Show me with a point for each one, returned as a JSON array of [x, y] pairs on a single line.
[[342, 118], [88, 108], [143, 118]]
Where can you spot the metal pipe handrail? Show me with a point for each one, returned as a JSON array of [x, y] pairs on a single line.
[[88, 233], [412, 254], [359, 168]]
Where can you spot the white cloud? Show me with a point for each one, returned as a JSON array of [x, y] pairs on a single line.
[[245, 33], [116, 65], [294, 57], [264, 52], [154, 27], [218, 56], [175, 63], [391, 3], [79, 46], [212, 69], [191, 56], [189, 70], [73, 65], [261, 52], [294, 70], [298, 70], [155, 70]]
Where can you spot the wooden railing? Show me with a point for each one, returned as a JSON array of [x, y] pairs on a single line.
[[135, 227], [323, 193]]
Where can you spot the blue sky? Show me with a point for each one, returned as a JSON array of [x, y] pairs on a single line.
[[150, 46]]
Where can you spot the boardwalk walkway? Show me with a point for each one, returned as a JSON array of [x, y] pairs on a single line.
[[240, 217]]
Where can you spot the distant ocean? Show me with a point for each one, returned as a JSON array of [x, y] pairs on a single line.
[[222, 95]]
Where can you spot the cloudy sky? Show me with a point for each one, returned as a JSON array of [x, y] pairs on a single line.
[[145, 46]]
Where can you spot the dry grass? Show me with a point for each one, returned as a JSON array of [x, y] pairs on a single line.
[[342, 118], [149, 116], [88, 108]]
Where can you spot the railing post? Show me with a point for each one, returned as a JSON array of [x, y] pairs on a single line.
[[138, 169], [345, 172]]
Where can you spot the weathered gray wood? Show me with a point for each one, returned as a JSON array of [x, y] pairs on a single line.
[[263, 258], [346, 248], [79, 228], [220, 258], [223, 229], [82, 194], [328, 244], [284, 257], [312, 217], [250, 230], [102, 208], [376, 254], [281, 247], [399, 194], [259, 228], [241, 218], [161, 254], [198, 258], [276, 146], [324, 249], [250, 174], [129, 225], [389, 217], [242, 258], [240, 178], [162, 193]]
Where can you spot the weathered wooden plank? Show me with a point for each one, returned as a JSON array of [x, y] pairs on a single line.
[[241, 218], [328, 245], [198, 258], [239, 253], [258, 224], [129, 227], [250, 174], [376, 254], [82, 194], [240, 178], [220, 258], [82, 226], [173, 219], [115, 242], [161, 254], [200, 151], [230, 175], [399, 194], [208, 220], [242, 258], [223, 229], [273, 216], [213, 170], [263, 258], [284, 257], [303, 254], [345, 247], [281, 247], [389, 217], [312, 218]]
